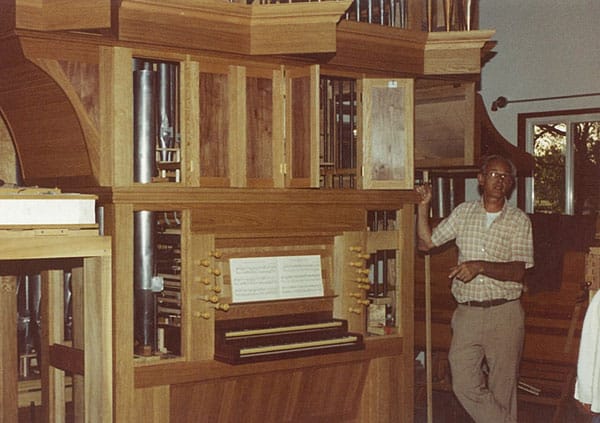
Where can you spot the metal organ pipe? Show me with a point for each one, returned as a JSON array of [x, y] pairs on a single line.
[[144, 128], [144, 221], [442, 196], [165, 110]]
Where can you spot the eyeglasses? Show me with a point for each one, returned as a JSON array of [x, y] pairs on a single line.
[[499, 175]]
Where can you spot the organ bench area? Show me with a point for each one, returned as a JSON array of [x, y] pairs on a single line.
[[216, 131]]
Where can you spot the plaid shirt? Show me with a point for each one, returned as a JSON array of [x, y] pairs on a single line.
[[509, 238]]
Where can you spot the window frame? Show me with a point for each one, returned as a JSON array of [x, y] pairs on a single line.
[[526, 121]]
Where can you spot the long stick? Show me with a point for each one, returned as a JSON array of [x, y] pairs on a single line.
[[428, 359]]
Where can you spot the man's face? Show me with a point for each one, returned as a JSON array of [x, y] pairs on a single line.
[[497, 181]]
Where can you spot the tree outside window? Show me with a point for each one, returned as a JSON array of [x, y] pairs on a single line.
[[567, 165]]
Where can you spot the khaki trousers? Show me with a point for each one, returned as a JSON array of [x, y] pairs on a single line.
[[484, 360]]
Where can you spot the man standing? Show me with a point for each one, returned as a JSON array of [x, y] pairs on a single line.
[[495, 245]]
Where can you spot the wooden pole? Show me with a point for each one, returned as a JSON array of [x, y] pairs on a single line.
[[428, 359], [429, 15], [8, 349]]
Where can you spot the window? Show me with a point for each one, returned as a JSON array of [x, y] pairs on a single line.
[[566, 147]]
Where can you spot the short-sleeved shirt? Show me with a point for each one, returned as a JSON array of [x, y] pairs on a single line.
[[509, 238]]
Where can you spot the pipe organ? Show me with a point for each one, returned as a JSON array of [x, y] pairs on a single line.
[[209, 135]]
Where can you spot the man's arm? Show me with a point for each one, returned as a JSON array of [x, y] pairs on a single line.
[[423, 225], [513, 271]]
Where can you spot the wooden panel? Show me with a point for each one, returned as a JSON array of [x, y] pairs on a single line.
[[454, 52], [444, 124], [259, 109], [287, 28], [378, 50], [53, 379], [119, 224], [116, 116], [237, 126], [164, 23], [54, 247], [303, 127], [80, 83], [48, 135], [270, 218], [152, 405], [386, 134], [53, 15], [383, 399], [214, 124], [190, 125], [326, 393], [98, 339]]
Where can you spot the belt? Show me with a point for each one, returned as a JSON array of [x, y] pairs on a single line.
[[487, 303]]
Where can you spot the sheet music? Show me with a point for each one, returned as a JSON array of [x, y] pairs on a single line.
[[275, 278]]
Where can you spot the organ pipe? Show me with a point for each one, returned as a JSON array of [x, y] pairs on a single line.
[[144, 221]]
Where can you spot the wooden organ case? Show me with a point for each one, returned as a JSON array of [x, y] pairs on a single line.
[[271, 139]]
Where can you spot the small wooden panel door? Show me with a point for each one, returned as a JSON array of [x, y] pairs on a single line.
[[386, 134], [302, 127]]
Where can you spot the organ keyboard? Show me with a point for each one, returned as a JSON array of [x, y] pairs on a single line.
[[240, 341]]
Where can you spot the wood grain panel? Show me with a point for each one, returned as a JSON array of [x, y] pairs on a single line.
[[259, 109], [271, 218], [152, 405], [326, 393], [214, 124], [382, 399], [234, 27], [48, 135], [52, 15]]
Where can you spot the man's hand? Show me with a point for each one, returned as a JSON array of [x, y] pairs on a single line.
[[502, 271], [585, 408], [424, 192], [466, 271]]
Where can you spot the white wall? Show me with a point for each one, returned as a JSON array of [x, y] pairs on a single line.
[[546, 48]]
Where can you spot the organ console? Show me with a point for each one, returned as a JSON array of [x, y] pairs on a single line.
[[241, 341]]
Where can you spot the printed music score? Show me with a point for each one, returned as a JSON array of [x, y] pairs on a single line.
[[275, 278]]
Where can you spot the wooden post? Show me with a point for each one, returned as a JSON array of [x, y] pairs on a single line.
[[428, 359], [53, 379], [8, 349]]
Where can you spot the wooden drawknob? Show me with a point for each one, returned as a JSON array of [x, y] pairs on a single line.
[[223, 307], [204, 315]]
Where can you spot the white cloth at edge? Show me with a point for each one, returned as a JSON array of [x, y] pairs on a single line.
[[587, 387]]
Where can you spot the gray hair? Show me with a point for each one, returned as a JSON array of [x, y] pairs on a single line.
[[485, 161]]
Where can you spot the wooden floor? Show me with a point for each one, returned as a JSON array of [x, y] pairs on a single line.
[[446, 408]]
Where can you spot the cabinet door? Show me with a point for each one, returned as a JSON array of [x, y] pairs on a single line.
[[445, 130], [386, 134], [302, 127], [264, 127]]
